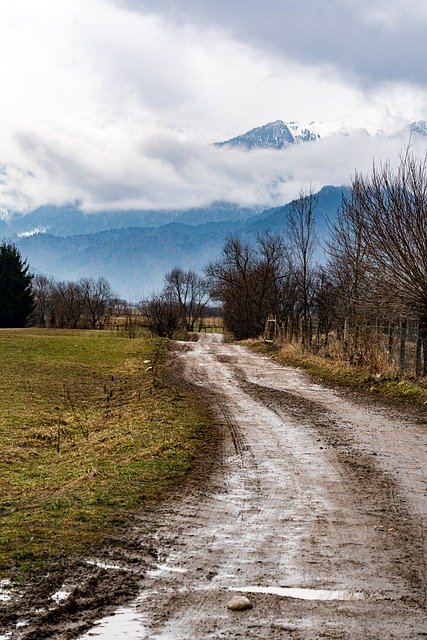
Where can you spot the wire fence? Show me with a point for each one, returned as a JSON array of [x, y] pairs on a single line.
[[396, 346]]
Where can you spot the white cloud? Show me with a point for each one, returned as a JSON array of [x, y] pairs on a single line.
[[116, 108]]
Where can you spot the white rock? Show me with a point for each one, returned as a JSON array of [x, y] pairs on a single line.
[[239, 603]]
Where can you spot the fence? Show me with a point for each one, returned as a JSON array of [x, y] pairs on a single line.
[[393, 346]]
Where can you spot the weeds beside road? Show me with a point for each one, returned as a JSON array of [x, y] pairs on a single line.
[[394, 388]]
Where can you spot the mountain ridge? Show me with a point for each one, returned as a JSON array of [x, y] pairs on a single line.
[[281, 135]]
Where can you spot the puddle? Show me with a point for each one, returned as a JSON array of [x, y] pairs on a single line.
[[305, 594], [22, 623], [5, 594], [164, 568], [59, 596], [125, 624], [105, 565]]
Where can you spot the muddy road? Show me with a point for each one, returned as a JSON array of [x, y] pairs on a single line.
[[314, 508]]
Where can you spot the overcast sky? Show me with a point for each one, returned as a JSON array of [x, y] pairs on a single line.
[[113, 103]]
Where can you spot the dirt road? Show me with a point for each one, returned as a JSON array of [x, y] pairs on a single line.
[[315, 509]]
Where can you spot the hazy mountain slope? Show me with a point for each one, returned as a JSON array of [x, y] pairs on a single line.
[[135, 259], [328, 201], [70, 220]]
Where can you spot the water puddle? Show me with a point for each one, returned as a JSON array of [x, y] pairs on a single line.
[[305, 594], [105, 565], [60, 595], [5, 594], [164, 568], [22, 623], [125, 624]]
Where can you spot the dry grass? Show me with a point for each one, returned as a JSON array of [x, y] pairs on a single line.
[[335, 371], [85, 437]]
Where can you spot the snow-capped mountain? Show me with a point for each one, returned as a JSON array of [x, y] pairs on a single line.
[[274, 135], [418, 128], [281, 135]]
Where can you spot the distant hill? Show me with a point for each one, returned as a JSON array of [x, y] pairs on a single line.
[[135, 259], [70, 220]]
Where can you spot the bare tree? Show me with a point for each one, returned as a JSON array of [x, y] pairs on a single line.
[[393, 209], [247, 281], [67, 304], [302, 244], [191, 293], [43, 289], [161, 314], [348, 264], [97, 295]]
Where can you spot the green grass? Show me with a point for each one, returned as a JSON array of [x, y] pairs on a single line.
[[86, 435], [392, 388]]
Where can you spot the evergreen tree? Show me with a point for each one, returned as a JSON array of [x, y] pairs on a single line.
[[16, 297]]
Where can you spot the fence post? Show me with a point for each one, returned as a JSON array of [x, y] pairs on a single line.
[[390, 342], [402, 350], [418, 345], [422, 331]]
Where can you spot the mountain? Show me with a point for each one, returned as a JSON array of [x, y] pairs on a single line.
[[274, 135], [418, 128], [70, 220], [134, 260], [282, 135], [328, 202]]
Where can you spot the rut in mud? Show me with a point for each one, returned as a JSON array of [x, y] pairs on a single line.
[[314, 507]]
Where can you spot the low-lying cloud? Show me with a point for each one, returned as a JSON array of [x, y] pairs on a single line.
[[160, 170]]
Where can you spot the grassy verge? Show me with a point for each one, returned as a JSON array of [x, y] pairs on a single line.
[[338, 373], [86, 434]]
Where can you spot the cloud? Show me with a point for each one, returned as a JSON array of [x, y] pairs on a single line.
[[377, 41], [165, 170], [115, 104]]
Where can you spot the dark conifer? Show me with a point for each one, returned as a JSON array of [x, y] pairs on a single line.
[[16, 297]]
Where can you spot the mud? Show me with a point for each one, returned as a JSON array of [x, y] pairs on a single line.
[[313, 505]]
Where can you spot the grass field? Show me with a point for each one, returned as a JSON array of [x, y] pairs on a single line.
[[86, 434]]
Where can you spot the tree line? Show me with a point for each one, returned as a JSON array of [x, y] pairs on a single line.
[[39, 300]]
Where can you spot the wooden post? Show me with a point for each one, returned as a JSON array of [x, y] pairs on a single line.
[[390, 342], [422, 333], [402, 350], [270, 332], [418, 348]]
